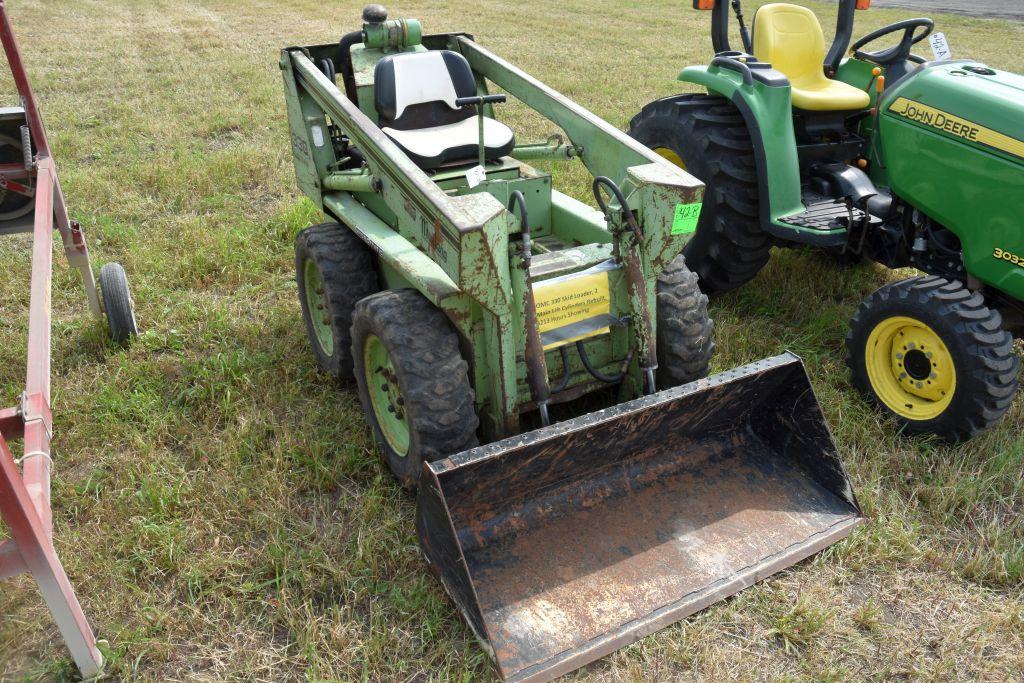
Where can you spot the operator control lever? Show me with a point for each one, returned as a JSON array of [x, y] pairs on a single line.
[[479, 101]]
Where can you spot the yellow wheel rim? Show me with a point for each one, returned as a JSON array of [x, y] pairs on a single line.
[[671, 156], [909, 368]]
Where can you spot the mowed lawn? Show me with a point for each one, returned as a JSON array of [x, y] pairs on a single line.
[[218, 504]]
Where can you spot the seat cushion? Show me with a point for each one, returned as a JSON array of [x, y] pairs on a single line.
[[433, 147], [829, 95], [790, 38]]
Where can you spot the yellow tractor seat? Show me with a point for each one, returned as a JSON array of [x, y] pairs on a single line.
[[790, 37]]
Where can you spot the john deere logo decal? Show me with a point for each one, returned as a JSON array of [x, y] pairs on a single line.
[[954, 125]]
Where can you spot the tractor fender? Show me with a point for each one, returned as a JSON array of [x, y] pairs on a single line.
[[767, 111]]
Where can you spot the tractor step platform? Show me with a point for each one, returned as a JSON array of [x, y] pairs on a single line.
[[823, 213]]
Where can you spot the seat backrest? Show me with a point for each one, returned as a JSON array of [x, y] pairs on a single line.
[[790, 37], [414, 90]]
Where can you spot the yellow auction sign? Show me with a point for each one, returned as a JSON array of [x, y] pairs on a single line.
[[573, 307]]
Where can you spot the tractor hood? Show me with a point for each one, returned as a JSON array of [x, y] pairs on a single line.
[[964, 100]]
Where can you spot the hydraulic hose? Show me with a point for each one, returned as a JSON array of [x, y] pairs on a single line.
[[327, 66], [564, 382], [598, 375], [633, 263], [536, 369]]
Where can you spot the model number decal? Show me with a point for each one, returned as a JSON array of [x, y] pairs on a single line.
[[1003, 255], [954, 125]]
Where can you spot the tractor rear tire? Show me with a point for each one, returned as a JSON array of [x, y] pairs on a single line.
[[708, 137], [413, 382], [685, 343], [931, 352], [334, 269]]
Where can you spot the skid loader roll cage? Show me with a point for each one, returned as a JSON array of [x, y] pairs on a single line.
[[452, 247]]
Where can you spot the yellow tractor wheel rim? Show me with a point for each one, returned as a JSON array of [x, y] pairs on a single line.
[[910, 368], [671, 156]]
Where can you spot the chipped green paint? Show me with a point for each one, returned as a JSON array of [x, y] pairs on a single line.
[[459, 246]]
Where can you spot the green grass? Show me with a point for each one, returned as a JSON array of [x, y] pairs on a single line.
[[217, 502]]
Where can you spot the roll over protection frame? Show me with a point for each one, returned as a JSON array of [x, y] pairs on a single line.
[[844, 28]]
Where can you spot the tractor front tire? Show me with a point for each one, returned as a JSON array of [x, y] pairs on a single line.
[[684, 338], [412, 380], [334, 269], [707, 136], [929, 351]]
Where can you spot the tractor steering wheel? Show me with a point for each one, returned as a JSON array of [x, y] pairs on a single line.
[[900, 52]]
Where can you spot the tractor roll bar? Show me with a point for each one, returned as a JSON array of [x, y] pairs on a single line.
[[844, 29]]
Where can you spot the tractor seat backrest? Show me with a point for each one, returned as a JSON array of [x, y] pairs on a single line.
[[418, 89], [790, 38], [415, 94]]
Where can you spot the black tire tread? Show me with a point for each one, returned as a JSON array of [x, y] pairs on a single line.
[[710, 135], [349, 272], [433, 376], [685, 332], [987, 388], [117, 303]]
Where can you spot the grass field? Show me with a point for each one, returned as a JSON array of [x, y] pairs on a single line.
[[217, 502]]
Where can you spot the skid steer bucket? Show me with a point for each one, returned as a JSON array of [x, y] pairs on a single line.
[[564, 544]]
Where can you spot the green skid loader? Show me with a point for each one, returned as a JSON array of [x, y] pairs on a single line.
[[881, 155], [474, 304]]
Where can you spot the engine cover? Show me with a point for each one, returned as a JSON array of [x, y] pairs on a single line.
[[952, 139]]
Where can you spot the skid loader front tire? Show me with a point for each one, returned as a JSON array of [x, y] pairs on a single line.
[[412, 380], [931, 352], [707, 136], [684, 338], [334, 269]]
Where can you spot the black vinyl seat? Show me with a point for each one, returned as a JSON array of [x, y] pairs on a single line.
[[415, 95]]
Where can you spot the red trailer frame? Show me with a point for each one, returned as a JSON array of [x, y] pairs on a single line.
[[25, 497]]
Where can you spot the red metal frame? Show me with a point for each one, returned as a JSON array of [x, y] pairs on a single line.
[[25, 496]]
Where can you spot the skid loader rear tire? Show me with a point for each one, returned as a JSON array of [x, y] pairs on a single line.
[[707, 136], [931, 352], [334, 269], [413, 382], [685, 343]]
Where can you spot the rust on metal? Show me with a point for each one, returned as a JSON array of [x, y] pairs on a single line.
[[562, 545]]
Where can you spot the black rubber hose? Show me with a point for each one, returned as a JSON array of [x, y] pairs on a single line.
[[609, 379], [564, 382], [345, 60], [327, 66], [612, 188]]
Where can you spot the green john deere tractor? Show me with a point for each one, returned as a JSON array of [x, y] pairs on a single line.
[[879, 154], [534, 366]]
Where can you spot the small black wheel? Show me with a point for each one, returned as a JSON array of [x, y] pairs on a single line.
[[412, 381], [685, 343], [707, 136], [117, 303], [334, 269], [932, 353]]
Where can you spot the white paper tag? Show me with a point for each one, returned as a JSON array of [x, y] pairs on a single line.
[[476, 175], [318, 136], [940, 48]]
